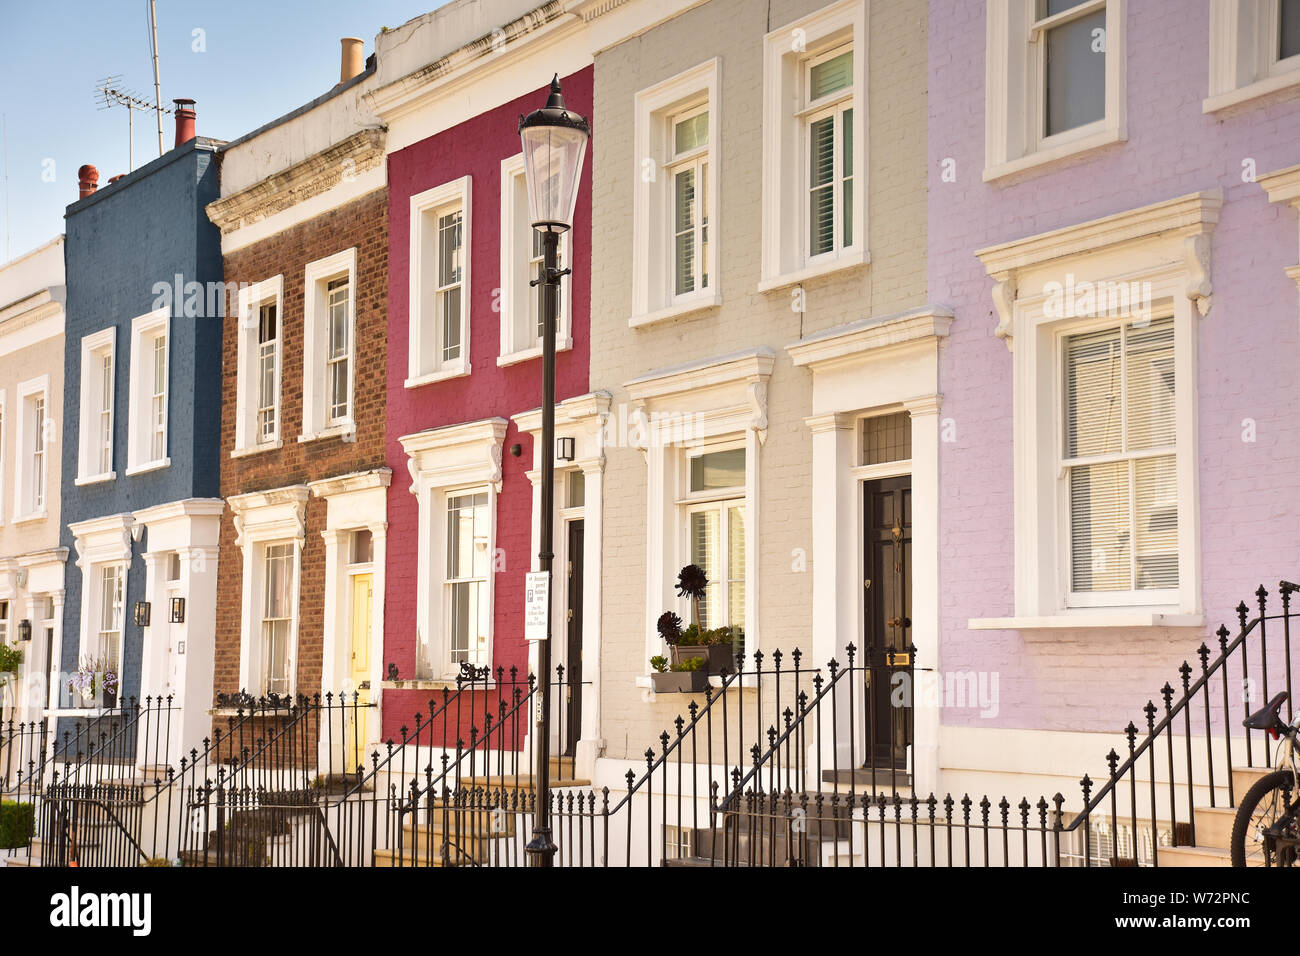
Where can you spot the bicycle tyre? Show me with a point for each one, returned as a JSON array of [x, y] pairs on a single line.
[[1246, 810]]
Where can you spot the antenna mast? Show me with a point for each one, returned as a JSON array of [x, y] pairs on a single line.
[[112, 93], [157, 87]]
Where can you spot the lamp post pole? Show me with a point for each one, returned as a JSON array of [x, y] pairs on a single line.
[[554, 143], [541, 848]]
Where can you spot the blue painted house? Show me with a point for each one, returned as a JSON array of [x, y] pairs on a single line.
[[140, 436]]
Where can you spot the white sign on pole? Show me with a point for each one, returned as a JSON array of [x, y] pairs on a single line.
[[537, 589]]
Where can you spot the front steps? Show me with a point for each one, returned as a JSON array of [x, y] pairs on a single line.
[[1213, 828]]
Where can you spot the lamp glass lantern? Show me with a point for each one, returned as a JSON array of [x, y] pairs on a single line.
[[142, 613], [177, 610], [24, 630], [555, 145]]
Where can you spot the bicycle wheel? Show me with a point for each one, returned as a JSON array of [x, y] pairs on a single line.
[[1269, 799]]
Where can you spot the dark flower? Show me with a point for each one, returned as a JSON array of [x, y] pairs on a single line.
[[692, 581], [670, 627]]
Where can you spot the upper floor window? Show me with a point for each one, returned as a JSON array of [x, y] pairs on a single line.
[[32, 451], [521, 264], [1055, 80], [329, 345], [260, 358], [147, 431], [814, 136], [439, 292], [1254, 49], [675, 211], [98, 381]]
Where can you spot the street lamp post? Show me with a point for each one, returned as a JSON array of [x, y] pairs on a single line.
[[555, 143]]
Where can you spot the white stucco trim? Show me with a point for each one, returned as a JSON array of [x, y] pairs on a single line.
[[1283, 186], [441, 461], [262, 518], [583, 419], [881, 364]]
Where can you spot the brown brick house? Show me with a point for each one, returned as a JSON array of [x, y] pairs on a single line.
[[303, 217]]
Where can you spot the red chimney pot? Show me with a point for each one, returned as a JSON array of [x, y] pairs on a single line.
[[88, 180], [184, 120]]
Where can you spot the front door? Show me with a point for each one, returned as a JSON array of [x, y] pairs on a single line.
[[363, 597], [887, 606], [573, 658]]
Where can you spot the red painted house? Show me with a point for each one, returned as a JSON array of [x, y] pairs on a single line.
[[464, 361]]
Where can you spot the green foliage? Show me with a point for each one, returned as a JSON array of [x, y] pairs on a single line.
[[690, 664], [17, 824], [659, 663], [157, 861], [10, 658]]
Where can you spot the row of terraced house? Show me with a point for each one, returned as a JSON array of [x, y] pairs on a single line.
[[950, 339]]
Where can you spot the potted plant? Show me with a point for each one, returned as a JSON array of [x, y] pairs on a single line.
[[713, 645], [94, 680], [685, 677]]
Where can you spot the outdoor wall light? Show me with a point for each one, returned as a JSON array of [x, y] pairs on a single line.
[[177, 611], [564, 449], [24, 630], [142, 612]]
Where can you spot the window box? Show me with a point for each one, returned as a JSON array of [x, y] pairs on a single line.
[[680, 682]]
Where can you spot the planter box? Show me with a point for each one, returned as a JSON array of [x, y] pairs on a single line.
[[680, 682], [719, 656]]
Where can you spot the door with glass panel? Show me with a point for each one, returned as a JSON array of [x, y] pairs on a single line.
[[716, 536]]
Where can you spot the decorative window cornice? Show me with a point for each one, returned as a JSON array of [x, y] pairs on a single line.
[[455, 454], [1175, 230], [357, 481], [266, 515], [707, 397], [101, 540], [847, 343]]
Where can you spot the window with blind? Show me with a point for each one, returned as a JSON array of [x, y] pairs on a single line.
[[716, 532], [828, 122], [1119, 459], [688, 171], [468, 565], [108, 650]]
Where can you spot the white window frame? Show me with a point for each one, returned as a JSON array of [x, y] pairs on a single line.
[[251, 299], [653, 295], [4, 454], [97, 611], [445, 584], [32, 435], [517, 270], [1244, 61], [265, 518], [90, 449], [258, 657], [141, 424], [787, 52], [714, 499], [317, 421], [1061, 465], [424, 249], [1014, 83]]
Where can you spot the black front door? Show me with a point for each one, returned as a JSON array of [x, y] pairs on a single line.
[[887, 606], [573, 658]]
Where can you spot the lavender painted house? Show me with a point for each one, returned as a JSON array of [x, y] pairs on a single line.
[[1113, 224]]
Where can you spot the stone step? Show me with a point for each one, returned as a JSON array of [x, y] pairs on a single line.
[[522, 783], [1243, 778], [1183, 856], [477, 823], [1214, 827], [464, 855]]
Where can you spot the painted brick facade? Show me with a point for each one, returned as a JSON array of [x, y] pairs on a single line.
[[894, 281], [363, 224], [474, 148], [1097, 679]]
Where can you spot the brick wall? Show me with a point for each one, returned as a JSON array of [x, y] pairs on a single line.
[[362, 223]]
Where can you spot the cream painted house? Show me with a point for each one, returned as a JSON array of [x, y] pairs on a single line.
[[761, 325], [32, 295]]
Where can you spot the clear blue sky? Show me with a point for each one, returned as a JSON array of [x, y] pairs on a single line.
[[258, 60]]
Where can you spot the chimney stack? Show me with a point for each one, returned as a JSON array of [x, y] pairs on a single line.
[[88, 180], [184, 121], [353, 58]]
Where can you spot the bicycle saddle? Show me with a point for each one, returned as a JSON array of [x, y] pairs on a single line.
[[1267, 718]]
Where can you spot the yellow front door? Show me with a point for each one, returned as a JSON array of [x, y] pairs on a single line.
[[363, 598]]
